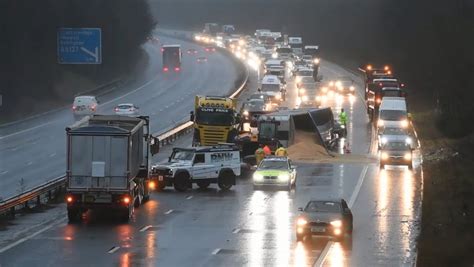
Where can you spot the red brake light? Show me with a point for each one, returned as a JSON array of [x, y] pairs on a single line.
[[380, 84], [116, 109], [162, 49], [177, 69], [73, 107], [126, 199], [165, 69], [69, 199]]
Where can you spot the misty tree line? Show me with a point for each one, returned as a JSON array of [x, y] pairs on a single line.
[[28, 61]]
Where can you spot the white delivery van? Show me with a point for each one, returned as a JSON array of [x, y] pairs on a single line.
[[272, 86], [393, 113], [84, 106]]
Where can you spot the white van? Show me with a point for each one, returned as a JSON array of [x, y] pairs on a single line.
[[272, 86], [84, 106], [393, 113]]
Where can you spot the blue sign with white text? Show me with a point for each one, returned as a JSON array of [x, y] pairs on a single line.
[[79, 46]]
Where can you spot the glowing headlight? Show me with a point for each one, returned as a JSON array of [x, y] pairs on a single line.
[[302, 91], [407, 156], [404, 123], [274, 55], [384, 155], [241, 42], [337, 223], [305, 98], [380, 123], [316, 61], [324, 89], [301, 221], [331, 83], [298, 79], [338, 84], [383, 140], [245, 113], [257, 177], [352, 88], [284, 177], [277, 97], [408, 141], [318, 98]]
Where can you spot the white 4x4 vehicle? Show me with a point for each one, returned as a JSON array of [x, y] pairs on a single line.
[[201, 165]]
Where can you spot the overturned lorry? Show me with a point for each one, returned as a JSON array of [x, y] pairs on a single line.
[[285, 127], [108, 164]]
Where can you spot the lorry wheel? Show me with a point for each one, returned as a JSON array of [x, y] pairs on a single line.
[[203, 184], [181, 182], [225, 180], [73, 215]]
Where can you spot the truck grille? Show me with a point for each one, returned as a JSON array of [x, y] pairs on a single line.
[[213, 136]]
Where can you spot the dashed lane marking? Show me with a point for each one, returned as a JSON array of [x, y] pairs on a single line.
[[168, 212], [189, 197], [144, 228], [113, 249], [215, 251]]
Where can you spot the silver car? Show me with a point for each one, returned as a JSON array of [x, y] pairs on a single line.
[[389, 134], [126, 109]]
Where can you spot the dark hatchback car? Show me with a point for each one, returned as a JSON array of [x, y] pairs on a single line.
[[331, 218], [396, 153]]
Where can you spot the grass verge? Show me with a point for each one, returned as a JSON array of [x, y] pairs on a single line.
[[447, 227]]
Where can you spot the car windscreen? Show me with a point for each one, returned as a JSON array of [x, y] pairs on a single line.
[[393, 115], [256, 104], [396, 146], [396, 93], [284, 50], [271, 87], [124, 106], [323, 206], [304, 73], [273, 164], [307, 79], [215, 116], [182, 155], [393, 131]]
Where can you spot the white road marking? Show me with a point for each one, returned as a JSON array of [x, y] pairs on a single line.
[[324, 253], [144, 228], [18, 242], [25, 130], [113, 249], [3, 172], [236, 231], [168, 212], [52, 155], [215, 251], [29, 163], [189, 197], [358, 186]]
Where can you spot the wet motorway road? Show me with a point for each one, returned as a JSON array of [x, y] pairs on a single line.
[[244, 227], [34, 150]]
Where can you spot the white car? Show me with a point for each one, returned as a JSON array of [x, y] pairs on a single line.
[[126, 109], [84, 106]]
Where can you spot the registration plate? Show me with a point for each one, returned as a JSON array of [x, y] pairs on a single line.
[[318, 229], [160, 178]]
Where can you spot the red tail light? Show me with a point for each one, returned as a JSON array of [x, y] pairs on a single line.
[[69, 199], [116, 109], [177, 69], [162, 49], [73, 107], [165, 69], [126, 199]]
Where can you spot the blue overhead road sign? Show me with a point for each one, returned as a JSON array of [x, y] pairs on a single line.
[[79, 46]]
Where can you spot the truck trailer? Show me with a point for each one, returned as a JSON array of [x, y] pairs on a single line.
[[108, 164]]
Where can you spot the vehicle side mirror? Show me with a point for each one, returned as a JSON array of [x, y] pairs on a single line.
[[154, 145], [300, 209]]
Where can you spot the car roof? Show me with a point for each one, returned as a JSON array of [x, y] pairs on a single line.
[[270, 79], [85, 97], [275, 158]]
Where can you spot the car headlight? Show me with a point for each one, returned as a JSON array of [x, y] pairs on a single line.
[[380, 123], [298, 79], [407, 156], [404, 123], [316, 61], [274, 55], [331, 83], [352, 88], [257, 177], [324, 89], [384, 155], [337, 223], [338, 84], [305, 98], [245, 113], [383, 140], [278, 96], [302, 91], [301, 221], [317, 98], [284, 177], [408, 140]]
